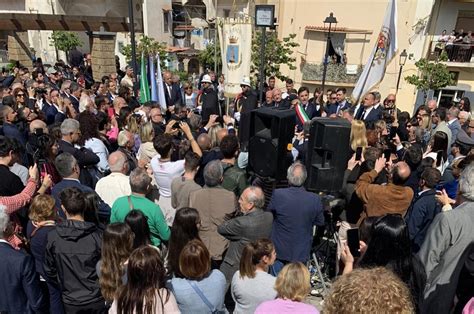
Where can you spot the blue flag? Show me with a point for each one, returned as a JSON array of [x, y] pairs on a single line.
[[154, 94]]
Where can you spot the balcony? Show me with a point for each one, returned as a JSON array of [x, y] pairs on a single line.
[[459, 54], [336, 74]]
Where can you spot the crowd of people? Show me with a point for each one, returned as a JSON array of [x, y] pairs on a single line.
[[112, 205], [457, 45]]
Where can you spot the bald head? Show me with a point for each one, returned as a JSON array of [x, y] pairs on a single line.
[[204, 141], [276, 94], [431, 104], [401, 173], [38, 124], [118, 162]]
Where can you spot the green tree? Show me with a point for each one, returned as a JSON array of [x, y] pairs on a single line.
[[208, 57], [432, 75], [65, 41], [277, 53], [148, 46]]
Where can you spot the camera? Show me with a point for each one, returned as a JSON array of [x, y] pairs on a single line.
[[40, 91]]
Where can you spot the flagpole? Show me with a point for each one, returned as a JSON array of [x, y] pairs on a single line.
[[366, 77]]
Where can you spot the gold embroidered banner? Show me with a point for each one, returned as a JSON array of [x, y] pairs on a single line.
[[236, 43]]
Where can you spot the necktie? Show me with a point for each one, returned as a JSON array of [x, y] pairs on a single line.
[[363, 115]]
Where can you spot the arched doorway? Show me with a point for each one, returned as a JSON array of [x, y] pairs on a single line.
[[193, 66]]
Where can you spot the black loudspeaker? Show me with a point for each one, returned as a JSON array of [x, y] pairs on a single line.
[[271, 130], [327, 154]]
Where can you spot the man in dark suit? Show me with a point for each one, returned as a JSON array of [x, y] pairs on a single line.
[[19, 282], [75, 95], [253, 225], [367, 112], [278, 102], [341, 102], [295, 212], [172, 90], [68, 168], [308, 107], [85, 158], [423, 208]]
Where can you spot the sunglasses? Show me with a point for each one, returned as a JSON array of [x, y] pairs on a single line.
[[20, 95]]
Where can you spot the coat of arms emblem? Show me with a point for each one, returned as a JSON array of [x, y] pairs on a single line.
[[383, 44]]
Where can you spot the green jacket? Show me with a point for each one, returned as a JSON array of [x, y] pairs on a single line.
[[156, 220], [235, 179]]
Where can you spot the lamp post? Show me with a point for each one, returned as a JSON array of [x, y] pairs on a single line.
[[403, 60], [131, 26], [329, 20], [264, 17]]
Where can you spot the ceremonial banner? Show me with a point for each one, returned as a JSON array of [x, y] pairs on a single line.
[[159, 84], [144, 87], [236, 43], [154, 92], [384, 50]]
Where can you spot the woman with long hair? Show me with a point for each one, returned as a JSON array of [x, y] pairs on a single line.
[[138, 223], [20, 97], [358, 137], [184, 229], [439, 150], [292, 286], [390, 247], [146, 151], [117, 245], [145, 291], [251, 284], [201, 290], [90, 138]]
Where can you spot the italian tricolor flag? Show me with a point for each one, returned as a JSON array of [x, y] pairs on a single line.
[[302, 116]]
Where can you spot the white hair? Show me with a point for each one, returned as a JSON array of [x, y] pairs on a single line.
[[466, 183], [4, 220], [69, 126], [296, 178]]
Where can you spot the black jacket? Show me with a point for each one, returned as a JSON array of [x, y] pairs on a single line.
[[72, 252], [210, 103]]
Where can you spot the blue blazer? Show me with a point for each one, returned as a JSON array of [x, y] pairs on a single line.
[[175, 97], [295, 212], [50, 112], [332, 109], [19, 282], [374, 114], [104, 209]]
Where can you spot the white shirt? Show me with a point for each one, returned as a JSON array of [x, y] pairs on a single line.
[[165, 172], [113, 186], [98, 148], [367, 111]]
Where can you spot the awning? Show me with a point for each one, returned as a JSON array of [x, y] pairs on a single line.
[[346, 30], [27, 21]]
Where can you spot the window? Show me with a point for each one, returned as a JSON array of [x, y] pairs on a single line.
[[166, 21], [226, 12], [465, 20]]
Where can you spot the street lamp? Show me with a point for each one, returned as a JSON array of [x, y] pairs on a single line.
[[329, 20], [402, 61]]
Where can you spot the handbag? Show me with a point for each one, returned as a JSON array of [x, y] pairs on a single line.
[[203, 297]]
